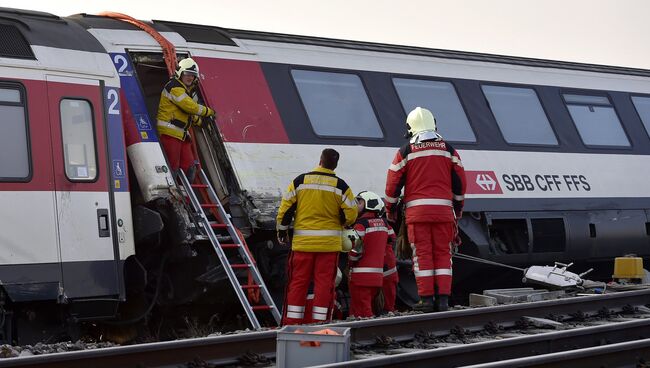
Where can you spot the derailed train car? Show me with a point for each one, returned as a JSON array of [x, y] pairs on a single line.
[[555, 156]]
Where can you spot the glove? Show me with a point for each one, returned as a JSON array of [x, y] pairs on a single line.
[[283, 237]]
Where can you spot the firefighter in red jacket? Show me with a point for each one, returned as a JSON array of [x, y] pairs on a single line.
[[321, 204], [432, 175], [366, 259]]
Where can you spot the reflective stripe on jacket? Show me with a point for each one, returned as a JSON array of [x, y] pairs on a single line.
[[433, 178], [177, 108], [321, 204]]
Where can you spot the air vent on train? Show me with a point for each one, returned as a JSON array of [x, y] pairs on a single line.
[[200, 34], [13, 44]]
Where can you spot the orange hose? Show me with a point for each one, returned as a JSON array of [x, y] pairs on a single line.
[[169, 51]]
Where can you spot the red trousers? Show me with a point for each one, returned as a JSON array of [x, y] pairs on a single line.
[[390, 293], [302, 269], [179, 153], [361, 300], [431, 244]]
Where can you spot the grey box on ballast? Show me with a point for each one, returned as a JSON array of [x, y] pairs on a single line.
[[290, 353]]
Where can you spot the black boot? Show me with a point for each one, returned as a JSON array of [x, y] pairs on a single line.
[[425, 305], [442, 303]]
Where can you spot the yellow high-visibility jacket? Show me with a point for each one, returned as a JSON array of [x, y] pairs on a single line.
[[177, 108], [322, 204]]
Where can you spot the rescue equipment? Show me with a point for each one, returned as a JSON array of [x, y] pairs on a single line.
[[628, 267], [420, 120], [223, 223], [349, 239]]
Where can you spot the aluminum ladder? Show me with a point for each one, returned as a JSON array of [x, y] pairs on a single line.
[[223, 222]]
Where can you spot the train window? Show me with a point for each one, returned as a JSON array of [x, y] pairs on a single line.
[[520, 115], [442, 100], [642, 105], [14, 162], [548, 235], [337, 104], [596, 120], [78, 140]]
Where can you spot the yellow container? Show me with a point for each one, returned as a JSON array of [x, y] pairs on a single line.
[[628, 268]]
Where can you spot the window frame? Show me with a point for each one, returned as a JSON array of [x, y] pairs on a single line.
[[460, 100], [337, 71], [92, 116], [597, 93], [16, 85], [630, 95], [541, 103]]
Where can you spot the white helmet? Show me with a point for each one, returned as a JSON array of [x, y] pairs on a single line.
[[420, 120], [187, 66], [372, 201], [349, 239]]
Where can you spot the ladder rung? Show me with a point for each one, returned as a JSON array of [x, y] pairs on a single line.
[[240, 265], [229, 246], [209, 205], [261, 307], [218, 225], [199, 185], [251, 286]]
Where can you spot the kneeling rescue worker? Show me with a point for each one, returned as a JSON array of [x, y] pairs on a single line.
[[366, 259], [432, 175], [321, 204], [178, 109]]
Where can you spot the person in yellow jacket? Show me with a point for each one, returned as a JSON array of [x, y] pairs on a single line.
[[178, 109], [321, 204]]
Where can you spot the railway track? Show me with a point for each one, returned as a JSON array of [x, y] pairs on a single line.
[[229, 349]]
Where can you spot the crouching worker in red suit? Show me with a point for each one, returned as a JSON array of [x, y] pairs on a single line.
[[432, 175], [321, 204], [366, 259]]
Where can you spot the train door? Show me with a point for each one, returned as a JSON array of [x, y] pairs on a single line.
[[83, 199]]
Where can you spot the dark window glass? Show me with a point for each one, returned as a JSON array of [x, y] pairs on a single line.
[[596, 120], [441, 99], [14, 161], [642, 105], [337, 104], [520, 115]]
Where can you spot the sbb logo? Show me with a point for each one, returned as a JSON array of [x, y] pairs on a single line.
[[482, 182]]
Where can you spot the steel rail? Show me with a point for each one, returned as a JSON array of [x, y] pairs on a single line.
[[402, 328], [624, 354], [511, 348], [227, 348], [220, 349]]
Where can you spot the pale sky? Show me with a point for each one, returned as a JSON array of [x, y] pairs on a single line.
[[612, 32]]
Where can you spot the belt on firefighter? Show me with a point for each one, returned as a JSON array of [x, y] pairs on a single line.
[[367, 270], [175, 125], [428, 201]]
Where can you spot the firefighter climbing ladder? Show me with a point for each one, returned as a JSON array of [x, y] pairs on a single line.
[[237, 243]]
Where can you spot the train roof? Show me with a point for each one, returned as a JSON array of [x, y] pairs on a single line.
[[226, 36]]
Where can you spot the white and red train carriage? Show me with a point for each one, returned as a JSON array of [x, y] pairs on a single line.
[[555, 153]]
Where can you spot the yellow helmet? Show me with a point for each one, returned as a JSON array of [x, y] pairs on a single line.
[[349, 239], [420, 120], [187, 66]]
